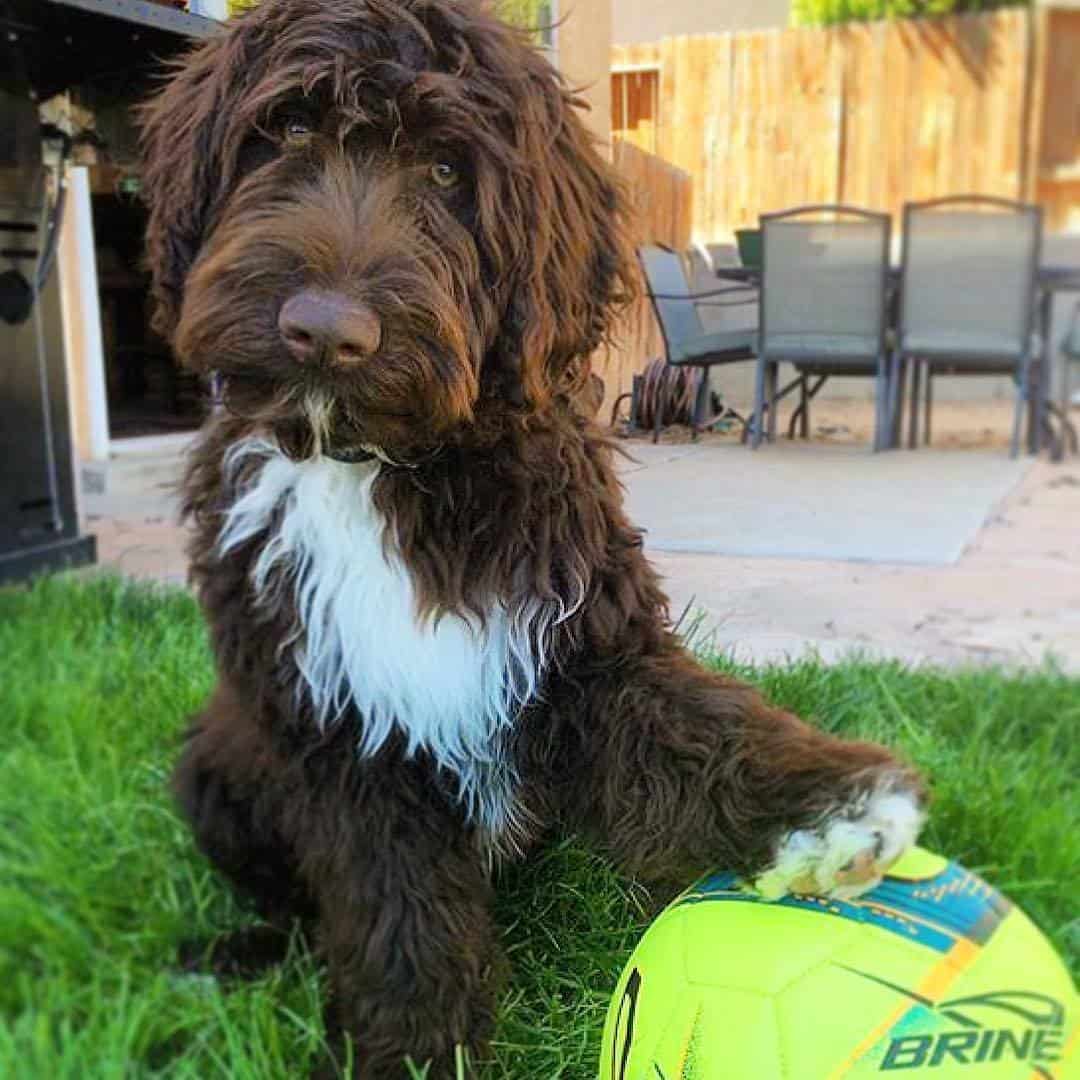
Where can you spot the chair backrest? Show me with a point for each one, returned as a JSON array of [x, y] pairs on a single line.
[[825, 277], [969, 277], [699, 259], [723, 254], [671, 296], [748, 242], [1071, 345]]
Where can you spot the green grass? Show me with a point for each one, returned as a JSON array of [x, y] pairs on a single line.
[[99, 880]]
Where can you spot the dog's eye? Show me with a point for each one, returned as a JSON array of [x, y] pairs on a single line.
[[443, 174], [296, 132]]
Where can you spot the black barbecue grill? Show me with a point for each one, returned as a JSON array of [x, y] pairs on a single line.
[[113, 48]]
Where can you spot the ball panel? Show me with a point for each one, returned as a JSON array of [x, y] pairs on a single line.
[[716, 1034], [918, 863], [724, 945]]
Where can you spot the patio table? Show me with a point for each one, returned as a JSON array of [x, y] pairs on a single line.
[[1059, 272]]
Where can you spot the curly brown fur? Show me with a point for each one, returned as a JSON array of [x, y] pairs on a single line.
[[298, 151]]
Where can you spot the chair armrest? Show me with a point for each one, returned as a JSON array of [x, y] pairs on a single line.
[[727, 291], [728, 303], [695, 297]]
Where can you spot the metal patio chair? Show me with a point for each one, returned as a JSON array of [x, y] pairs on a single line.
[[824, 309], [968, 292], [686, 341]]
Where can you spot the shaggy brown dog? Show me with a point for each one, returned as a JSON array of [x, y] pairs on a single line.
[[438, 640]]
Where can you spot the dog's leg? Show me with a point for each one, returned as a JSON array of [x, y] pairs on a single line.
[[406, 934], [690, 770], [233, 828]]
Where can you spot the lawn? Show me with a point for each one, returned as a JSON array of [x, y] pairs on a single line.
[[99, 880]]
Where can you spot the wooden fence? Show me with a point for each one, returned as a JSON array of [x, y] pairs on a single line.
[[873, 114], [663, 198]]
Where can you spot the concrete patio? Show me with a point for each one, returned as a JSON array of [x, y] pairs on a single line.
[[952, 556]]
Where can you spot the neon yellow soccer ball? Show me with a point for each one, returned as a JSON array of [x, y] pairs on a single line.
[[933, 974]]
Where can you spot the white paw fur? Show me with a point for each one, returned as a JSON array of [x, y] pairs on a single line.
[[849, 852]]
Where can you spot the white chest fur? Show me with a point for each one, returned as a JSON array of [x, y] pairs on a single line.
[[451, 687]]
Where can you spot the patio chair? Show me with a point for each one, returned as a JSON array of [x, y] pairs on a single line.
[[969, 277], [1070, 400], [686, 341], [824, 309]]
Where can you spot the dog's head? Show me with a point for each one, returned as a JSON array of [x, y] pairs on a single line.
[[369, 214]]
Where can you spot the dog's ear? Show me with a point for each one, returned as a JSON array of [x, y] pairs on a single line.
[[185, 173], [577, 268]]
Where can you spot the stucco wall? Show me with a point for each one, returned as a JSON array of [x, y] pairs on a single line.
[[651, 20], [583, 53]]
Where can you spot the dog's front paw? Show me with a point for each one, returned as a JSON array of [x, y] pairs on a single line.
[[850, 850]]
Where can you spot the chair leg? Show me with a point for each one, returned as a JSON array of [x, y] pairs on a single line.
[[1023, 390], [656, 416], [882, 402], [882, 396], [899, 403], [795, 423], [917, 370], [1018, 416], [804, 406], [701, 403], [929, 403], [899, 377], [772, 412], [759, 403], [1037, 371]]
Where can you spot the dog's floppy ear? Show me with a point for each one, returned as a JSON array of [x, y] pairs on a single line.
[[577, 268], [185, 173]]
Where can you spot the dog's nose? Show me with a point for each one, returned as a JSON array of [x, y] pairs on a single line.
[[326, 326]]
